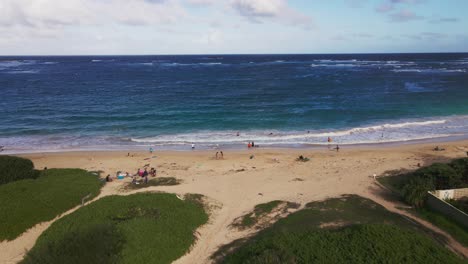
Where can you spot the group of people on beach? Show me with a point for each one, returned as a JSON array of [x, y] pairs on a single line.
[[144, 173], [252, 145]]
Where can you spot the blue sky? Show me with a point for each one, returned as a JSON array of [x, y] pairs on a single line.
[[83, 27]]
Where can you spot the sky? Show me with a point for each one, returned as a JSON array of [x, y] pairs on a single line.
[[143, 27]]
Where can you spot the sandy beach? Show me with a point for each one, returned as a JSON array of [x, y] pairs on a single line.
[[244, 178]]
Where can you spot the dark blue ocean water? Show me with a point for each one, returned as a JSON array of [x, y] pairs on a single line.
[[50, 103]]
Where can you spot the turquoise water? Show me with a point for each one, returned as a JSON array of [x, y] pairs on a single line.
[[126, 102]]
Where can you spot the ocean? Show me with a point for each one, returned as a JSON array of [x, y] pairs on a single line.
[[59, 103]]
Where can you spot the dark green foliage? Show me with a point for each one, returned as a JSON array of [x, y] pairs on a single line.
[[415, 190], [26, 203], [74, 247], [461, 167], [413, 186], [443, 176], [459, 232], [15, 169], [159, 181], [140, 228], [373, 243], [252, 218], [350, 229], [461, 204]]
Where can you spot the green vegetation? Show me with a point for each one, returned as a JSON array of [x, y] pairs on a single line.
[[15, 169], [453, 228], [349, 229], [413, 186], [26, 203], [139, 228], [461, 204], [158, 181], [250, 219]]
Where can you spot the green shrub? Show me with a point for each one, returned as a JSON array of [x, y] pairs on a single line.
[[139, 228], [26, 203], [444, 176], [461, 167], [73, 247], [15, 168], [415, 191], [371, 243], [349, 229]]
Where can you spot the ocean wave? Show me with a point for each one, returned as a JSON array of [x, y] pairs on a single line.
[[430, 70], [338, 65], [367, 134], [454, 126], [15, 63], [23, 72]]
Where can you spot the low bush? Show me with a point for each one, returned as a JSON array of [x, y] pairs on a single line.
[[139, 228], [349, 229], [414, 186], [415, 190], [15, 169], [26, 203]]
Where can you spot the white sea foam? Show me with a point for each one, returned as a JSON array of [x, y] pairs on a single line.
[[211, 63], [442, 70], [24, 72], [394, 132], [454, 126]]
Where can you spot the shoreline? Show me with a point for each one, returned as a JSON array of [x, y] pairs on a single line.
[[239, 148]]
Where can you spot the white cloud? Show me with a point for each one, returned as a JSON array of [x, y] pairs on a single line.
[[200, 2], [259, 11], [59, 13]]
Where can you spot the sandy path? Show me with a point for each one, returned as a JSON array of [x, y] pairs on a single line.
[[236, 184]]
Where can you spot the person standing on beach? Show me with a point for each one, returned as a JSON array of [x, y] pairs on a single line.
[[337, 148], [216, 155], [151, 150], [222, 155]]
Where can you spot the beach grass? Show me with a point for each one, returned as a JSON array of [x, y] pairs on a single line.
[[139, 228], [25, 203], [259, 212], [349, 229], [457, 231], [158, 181]]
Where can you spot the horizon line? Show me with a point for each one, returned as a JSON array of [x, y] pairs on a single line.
[[232, 54]]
